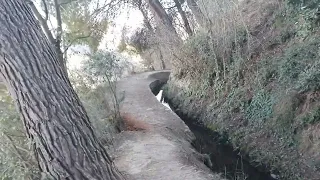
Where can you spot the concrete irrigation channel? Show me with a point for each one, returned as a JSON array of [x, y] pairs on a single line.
[[159, 145]]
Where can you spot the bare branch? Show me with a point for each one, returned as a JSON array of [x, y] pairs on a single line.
[[59, 21], [74, 40], [45, 10], [102, 8], [68, 2], [43, 22], [105, 9], [170, 7]]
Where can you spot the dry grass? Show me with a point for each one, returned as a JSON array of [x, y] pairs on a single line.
[[311, 100], [310, 145], [310, 136], [232, 34], [310, 141]]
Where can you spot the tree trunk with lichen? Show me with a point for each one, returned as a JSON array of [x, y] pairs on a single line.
[[54, 118]]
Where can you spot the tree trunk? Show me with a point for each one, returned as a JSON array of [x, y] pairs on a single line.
[[61, 57], [196, 11], [163, 65], [55, 120], [145, 18], [161, 14], [58, 39], [184, 18]]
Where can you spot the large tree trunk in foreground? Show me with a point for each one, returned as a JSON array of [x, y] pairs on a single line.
[[55, 120]]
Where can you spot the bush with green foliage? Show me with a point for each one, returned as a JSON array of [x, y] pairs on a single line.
[[104, 69], [309, 79], [260, 108], [297, 59]]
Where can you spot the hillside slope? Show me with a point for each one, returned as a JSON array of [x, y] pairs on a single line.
[[258, 82]]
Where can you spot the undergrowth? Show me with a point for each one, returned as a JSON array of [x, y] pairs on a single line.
[[16, 157], [260, 93]]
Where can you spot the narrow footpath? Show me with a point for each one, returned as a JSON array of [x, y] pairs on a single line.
[[157, 143]]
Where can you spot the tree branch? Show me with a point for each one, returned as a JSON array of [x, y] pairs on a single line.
[[43, 22], [170, 7], [59, 21], [101, 9], [74, 40], [45, 10], [68, 2]]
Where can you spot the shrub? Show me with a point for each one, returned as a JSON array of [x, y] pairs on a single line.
[[309, 80], [97, 99], [285, 109], [309, 4], [267, 71], [297, 59], [304, 14], [198, 54], [260, 108], [312, 117]]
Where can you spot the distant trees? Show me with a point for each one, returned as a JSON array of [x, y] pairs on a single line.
[[67, 23], [166, 24]]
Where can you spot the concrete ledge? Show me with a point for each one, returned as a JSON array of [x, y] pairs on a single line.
[[158, 146]]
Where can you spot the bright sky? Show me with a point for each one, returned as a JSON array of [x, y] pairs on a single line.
[[132, 20]]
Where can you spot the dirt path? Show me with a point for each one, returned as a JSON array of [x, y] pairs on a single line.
[[159, 143]]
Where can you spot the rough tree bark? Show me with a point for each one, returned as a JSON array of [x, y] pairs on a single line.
[[196, 11], [184, 18], [54, 118]]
